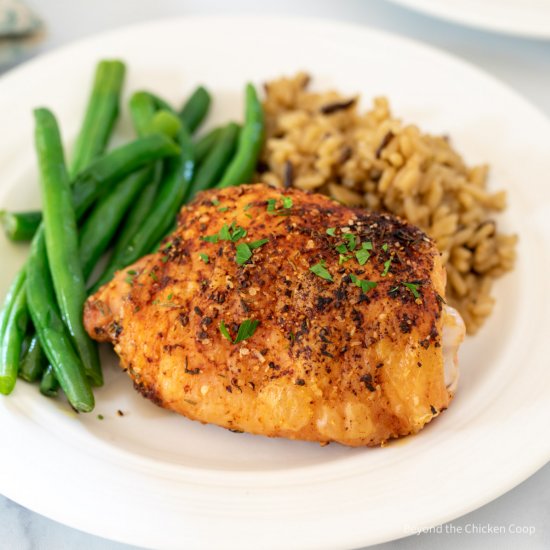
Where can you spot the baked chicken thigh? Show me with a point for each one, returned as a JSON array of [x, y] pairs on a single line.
[[285, 314]]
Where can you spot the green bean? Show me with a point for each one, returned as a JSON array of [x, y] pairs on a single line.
[[99, 228], [205, 143], [131, 224], [216, 161], [142, 110], [13, 333], [49, 385], [61, 237], [167, 123], [162, 212], [52, 332], [250, 143], [115, 165], [17, 284], [20, 226], [160, 103], [101, 113], [195, 109], [107, 170], [33, 362]]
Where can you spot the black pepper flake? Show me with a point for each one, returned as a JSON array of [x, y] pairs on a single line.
[[183, 318], [433, 409], [367, 380], [300, 382], [323, 335], [198, 310], [379, 365], [322, 302], [273, 366], [206, 321], [357, 318], [229, 389], [405, 325], [116, 329], [120, 413]]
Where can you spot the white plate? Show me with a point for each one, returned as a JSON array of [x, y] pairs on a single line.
[[154, 479], [528, 18]]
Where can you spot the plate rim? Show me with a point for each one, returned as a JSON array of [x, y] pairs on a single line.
[[41, 59]]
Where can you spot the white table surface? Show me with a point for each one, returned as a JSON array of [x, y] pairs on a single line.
[[521, 63]]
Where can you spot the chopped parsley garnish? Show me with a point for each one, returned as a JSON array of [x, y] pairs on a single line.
[[387, 265], [231, 233], [210, 238], [169, 297], [363, 254], [167, 245], [257, 244], [413, 287], [223, 208], [351, 240], [215, 202], [204, 258], [342, 248], [342, 258], [131, 275], [321, 271], [365, 286], [244, 250], [153, 276], [249, 205], [225, 332], [246, 329], [243, 253], [286, 202], [224, 233], [238, 233]]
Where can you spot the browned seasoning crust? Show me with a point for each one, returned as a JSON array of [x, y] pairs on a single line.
[[327, 362]]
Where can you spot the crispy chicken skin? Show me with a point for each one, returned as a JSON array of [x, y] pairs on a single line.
[[329, 361]]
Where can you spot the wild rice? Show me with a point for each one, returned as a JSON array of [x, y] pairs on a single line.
[[321, 142]]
